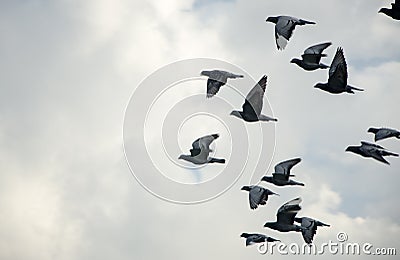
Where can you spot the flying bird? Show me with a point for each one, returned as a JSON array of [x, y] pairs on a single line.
[[216, 79], [285, 217], [200, 151], [282, 173], [309, 226], [337, 81], [254, 103], [284, 27], [394, 12], [312, 57], [371, 150], [254, 238], [257, 195], [383, 133]]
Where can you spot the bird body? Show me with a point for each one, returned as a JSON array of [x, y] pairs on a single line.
[[383, 133], [394, 12], [282, 173], [371, 150], [200, 151], [337, 81], [284, 27], [254, 238], [312, 57], [216, 79], [257, 195], [285, 217], [254, 103]]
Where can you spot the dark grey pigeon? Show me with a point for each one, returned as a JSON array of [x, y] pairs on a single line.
[[394, 12], [309, 227], [284, 27], [254, 238], [257, 195], [254, 103], [200, 151], [337, 81], [285, 217], [371, 150], [312, 57], [282, 173], [383, 133], [216, 79]]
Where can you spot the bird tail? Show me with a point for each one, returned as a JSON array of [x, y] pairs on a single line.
[[386, 153], [351, 88], [323, 66], [216, 160], [303, 22]]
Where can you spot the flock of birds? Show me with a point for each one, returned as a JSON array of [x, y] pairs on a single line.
[[251, 112]]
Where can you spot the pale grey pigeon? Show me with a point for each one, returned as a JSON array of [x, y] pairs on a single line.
[[371, 150], [394, 12], [309, 226], [216, 79], [337, 81], [200, 151], [257, 195], [254, 103], [284, 27], [285, 217], [383, 133], [312, 57], [254, 238], [282, 173]]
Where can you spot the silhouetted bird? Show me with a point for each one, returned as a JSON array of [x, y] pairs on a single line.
[[284, 26], [200, 151], [253, 104], [337, 81], [216, 79], [394, 12], [309, 226], [312, 57], [257, 195], [282, 173], [371, 150], [383, 133], [256, 238], [285, 217]]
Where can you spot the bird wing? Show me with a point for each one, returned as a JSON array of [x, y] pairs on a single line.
[[283, 168], [287, 212], [255, 238], [313, 53], [201, 146], [366, 144], [285, 26], [256, 196], [338, 71], [213, 87], [384, 133], [373, 150], [254, 100], [309, 229]]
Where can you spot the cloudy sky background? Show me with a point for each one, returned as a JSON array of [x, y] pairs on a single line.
[[70, 67]]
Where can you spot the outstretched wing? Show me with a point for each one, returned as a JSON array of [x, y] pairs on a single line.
[[338, 71], [287, 212], [213, 87], [254, 100], [282, 169], [309, 230], [313, 53], [256, 197]]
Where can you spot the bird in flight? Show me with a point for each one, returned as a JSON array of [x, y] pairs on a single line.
[[284, 27], [309, 226], [257, 195], [312, 57], [383, 133], [282, 173], [253, 104], [216, 79], [254, 238], [394, 12], [285, 217], [200, 151], [337, 81], [371, 150]]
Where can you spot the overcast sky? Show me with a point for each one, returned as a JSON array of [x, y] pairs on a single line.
[[69, 69]]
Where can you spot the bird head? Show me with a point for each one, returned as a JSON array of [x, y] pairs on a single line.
[[244, 235], [205, 73], [353, 149], [320, 85], [269, 225], [295, 60], [267, 178], [383, 10], [272, 19], [248, 188], [182, 156]]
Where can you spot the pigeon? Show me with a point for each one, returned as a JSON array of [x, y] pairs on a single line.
[[383, 133], [285, 217], [253, 104], [309, 227], [200, 151], [337, 82], [254, 238], [282, 173], [257, 195], [394, 12], [216, 79], [312, 57], [371, 150], [284, 27]]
